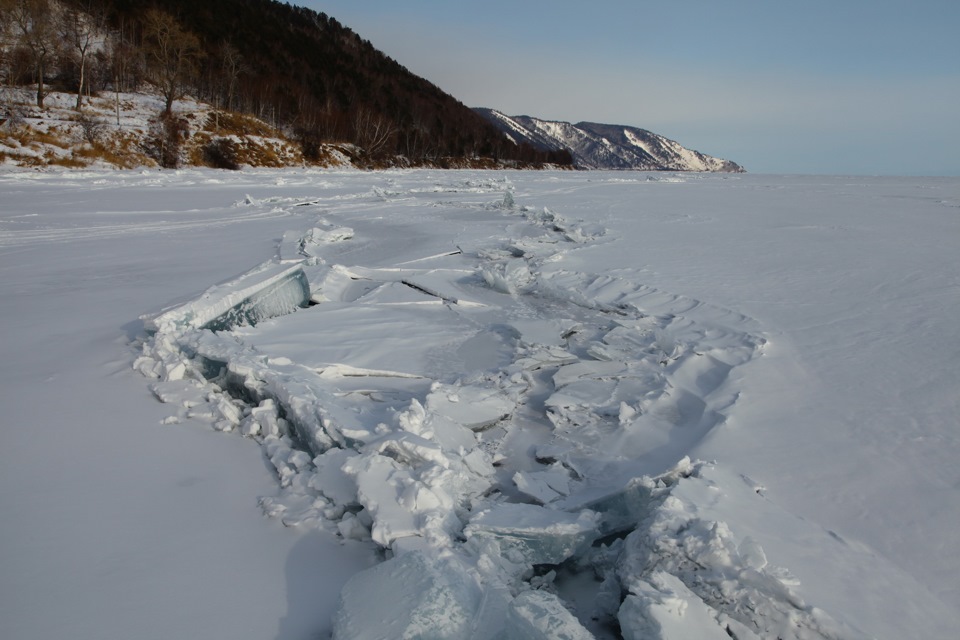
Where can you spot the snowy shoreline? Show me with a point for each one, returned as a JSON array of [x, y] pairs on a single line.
[[652, 315]]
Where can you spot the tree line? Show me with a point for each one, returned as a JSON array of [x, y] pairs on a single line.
[[298, 69]]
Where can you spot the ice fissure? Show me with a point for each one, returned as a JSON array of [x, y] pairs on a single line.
[[500, 424]]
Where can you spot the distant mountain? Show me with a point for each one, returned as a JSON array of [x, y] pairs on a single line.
[[607, 146]]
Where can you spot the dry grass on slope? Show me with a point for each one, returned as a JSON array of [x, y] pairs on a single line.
[[126, 132]]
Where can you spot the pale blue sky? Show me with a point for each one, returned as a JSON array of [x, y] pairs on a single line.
[[799, 86]]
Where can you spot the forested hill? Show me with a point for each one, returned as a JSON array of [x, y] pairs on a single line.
[[304, 71]]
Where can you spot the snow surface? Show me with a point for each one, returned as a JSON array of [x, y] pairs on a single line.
[[561, 403]]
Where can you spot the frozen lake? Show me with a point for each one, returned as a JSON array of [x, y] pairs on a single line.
[[469, 342]]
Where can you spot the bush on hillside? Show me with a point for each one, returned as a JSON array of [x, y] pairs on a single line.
[[221, 153], [165, 140]]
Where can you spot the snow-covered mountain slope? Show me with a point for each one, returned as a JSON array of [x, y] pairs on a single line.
[[607, 146]]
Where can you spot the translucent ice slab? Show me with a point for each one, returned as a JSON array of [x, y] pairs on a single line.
[[539, 615], [410, 596], [350, 339], [534, 534], [248, 300]]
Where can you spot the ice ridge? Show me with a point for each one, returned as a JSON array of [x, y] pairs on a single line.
[[499, 426]]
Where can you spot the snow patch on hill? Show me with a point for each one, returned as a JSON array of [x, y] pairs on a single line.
[[123, 130]]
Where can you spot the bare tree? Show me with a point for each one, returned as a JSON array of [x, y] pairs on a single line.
[[126, 59], [6, 38], [231, 63], [373, 131], [172, 56], [79, 31], [415, 138], [33, 23]]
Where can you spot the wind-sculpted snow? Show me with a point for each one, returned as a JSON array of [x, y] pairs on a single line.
[[503, 426]]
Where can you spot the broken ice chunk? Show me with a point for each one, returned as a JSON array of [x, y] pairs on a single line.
[[284, 296], [450, 435], [478, 462], [544, 486], [289, 249], [408, 449], [534, 487], [539, 615], [511, 278], [186, 393], [418, 333], [752, 554], [536, 534], [443, 284], [287, 460], [264, 420], [351, 528], [248, 300], [663, 607], [539, 357], [381, 485], [317, 237], [338, 283], [474, 407], [394, 293], [332, 480], [589, 369], [410, 596], [625, 508], [414, 497], [626, 414]]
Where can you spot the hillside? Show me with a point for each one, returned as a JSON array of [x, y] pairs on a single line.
[[297, 70], [123, 131], [262, 65], [607, 146]]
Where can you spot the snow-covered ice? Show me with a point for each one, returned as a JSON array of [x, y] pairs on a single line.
[[560, 404]]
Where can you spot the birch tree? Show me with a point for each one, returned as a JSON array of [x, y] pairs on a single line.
[[172, 55], [33, 25], [373, 132], [80, 31]]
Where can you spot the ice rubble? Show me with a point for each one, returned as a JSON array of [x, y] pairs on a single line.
[[487, 419], [417, 596], [532, 534], [539, 615]]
